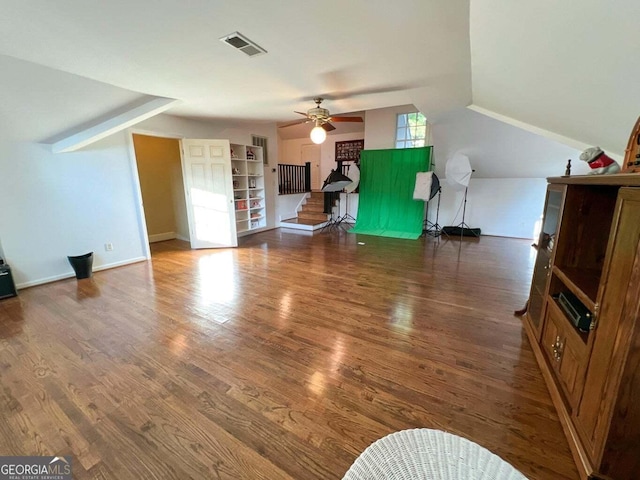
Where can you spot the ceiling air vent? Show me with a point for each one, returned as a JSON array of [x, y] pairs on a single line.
[[242, 43]]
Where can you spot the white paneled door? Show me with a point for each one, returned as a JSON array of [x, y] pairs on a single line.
[[209, 193]]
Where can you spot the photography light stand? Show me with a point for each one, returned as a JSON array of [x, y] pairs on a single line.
[[462, 225], [428, 227], [335, 182], [347, 216], [433, 229], [332, 223], [459, 173]]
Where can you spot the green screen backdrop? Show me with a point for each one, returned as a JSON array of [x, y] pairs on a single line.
[[386, 206]]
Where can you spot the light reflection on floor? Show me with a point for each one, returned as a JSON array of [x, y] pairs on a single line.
[[285, 309], [402, 318], [217, 277]]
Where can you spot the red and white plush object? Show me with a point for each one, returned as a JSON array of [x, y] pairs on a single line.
[[599, 162]]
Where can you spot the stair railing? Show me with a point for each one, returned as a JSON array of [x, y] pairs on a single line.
[[294, 178]]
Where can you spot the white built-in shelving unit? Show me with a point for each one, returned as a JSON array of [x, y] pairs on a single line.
[[248, 187]]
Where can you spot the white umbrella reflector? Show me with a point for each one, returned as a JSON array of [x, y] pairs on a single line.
[[458, 171]]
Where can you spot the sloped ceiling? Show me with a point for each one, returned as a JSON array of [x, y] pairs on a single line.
[[569, 67], [39, 104], [498, 150], [360, 54]]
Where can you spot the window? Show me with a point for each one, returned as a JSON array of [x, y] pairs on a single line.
[[411, 130], [258, 141]]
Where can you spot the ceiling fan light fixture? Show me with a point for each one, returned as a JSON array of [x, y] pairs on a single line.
[[318, 134]]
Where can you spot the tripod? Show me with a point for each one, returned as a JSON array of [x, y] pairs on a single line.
[[333, 223], [430, 228], [347, 215], [462, 225]]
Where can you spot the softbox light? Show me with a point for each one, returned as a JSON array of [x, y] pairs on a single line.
[[336, 182], [435, 186]]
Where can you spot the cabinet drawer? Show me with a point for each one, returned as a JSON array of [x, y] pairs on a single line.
[[566, 352]]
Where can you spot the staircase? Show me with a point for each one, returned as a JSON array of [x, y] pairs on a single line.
[[313, 210], [311, 217]]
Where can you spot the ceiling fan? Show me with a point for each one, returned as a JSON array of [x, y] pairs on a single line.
[[322, 120]]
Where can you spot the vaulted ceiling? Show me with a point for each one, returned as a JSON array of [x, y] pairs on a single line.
[[567, 67]]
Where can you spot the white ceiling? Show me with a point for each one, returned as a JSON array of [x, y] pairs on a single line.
[[567, 67], [337, 49]]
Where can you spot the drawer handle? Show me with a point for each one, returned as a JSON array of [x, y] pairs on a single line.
[[4, 274], [557, 348]]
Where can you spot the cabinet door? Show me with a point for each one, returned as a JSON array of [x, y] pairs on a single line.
[[548, 231], [566, 351]]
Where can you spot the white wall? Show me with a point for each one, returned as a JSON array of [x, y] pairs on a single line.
[[380, 126], [67, 204], [288, 205], [506, 192], [499, 206], [499, 150], [73, 203]]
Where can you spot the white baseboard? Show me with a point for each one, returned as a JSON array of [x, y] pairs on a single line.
[[107, 266], [183, 238], [161, 237], [288, 215], [42, 281], [64, 276]]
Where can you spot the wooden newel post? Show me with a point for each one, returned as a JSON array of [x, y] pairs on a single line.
[[307, 177]]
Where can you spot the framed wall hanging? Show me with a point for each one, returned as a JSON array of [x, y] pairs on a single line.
[[349, 150]]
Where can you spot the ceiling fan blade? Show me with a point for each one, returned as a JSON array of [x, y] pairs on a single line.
[[297, 122], [328, 127], [346, 119], [300, 113]]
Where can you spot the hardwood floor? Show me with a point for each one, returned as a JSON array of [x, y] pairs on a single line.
[[281, 359]]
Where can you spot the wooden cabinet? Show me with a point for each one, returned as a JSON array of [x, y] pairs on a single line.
[[593, 374], [248, 187]]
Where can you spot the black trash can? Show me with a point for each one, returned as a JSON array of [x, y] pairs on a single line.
[[82, 265]]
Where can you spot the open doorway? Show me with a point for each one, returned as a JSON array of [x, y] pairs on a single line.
[[159, 168]]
